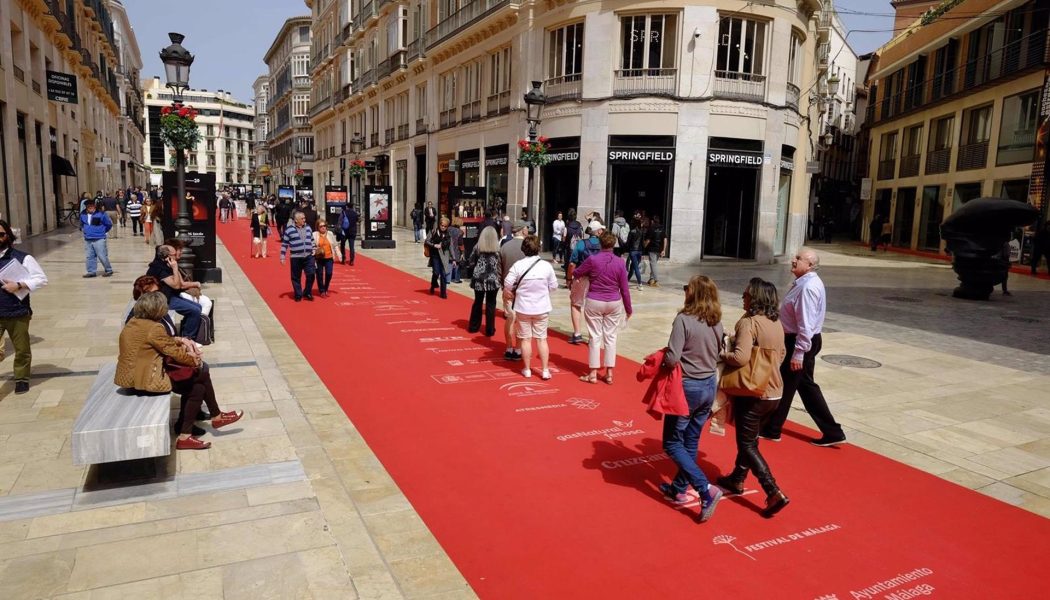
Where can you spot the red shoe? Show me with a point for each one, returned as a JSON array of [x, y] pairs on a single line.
[[226, 418], [191, 443]]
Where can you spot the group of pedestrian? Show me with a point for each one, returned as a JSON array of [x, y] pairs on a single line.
[[641, 242], [311, 251]]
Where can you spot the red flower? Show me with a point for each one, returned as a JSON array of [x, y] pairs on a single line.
[[183, 112], [543, 139], [165, 111], [523, 144]]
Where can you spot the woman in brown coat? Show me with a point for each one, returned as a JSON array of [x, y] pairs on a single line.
[[144, 345], [759, 326]]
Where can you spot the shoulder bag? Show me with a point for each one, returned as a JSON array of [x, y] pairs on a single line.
[[520, 279], [753, 378]]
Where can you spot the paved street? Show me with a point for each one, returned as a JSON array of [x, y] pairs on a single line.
[[293, 503]]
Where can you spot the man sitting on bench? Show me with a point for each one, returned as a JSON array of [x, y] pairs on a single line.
[[165, 268]]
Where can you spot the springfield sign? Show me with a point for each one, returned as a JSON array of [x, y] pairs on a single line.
[[641, 155], [62, 87], [735, 159]]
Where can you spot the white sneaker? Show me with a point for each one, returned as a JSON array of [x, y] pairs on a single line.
[[526, 373], [545, 374], [639, 287]]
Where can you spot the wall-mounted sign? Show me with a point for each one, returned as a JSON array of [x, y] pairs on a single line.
[[473, 163], [735, 158], [641, 155], [496, 161], [569, 155], [62, 87]]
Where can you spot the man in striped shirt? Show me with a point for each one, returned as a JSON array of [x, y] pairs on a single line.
[[134, 212], [297, 242]]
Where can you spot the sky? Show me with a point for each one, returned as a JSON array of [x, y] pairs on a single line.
[[229, 38]]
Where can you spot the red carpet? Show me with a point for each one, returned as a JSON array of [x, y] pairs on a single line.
[[548, 489]]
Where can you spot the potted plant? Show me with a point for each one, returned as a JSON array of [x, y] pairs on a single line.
[[357, 168], [533, 154], [178, 127]]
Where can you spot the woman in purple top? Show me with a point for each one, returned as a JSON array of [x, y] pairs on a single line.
[[608, 304]]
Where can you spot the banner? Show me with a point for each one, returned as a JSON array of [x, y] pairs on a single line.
[[1037, 182], [201, 204], [61, 87], [378, 225], [286, 191]]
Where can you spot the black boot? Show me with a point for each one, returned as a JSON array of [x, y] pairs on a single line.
[[734, 482], [776, 500]]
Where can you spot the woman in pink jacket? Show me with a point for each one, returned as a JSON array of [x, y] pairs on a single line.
[[608, 306]]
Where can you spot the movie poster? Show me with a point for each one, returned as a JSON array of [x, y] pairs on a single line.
[[378, 226], [201, 205]]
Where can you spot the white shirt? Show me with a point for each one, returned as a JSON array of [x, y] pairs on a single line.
[[533, 296], [36, 278], [802, 312], [558, 228]]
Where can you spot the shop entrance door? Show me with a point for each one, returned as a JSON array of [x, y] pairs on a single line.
[[641, 188], [904, 217], [561, 191], [932, 215], [729, 212]]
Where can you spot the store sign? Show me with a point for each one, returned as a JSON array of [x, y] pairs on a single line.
[[733, 158], [569, 155], [640, 155], [62, 87], [865, 189], [473, 163], [496, 161]]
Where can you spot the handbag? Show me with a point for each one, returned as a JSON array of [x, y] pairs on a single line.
[[177, 372], [426, 250], [753, 378], [514, 292]]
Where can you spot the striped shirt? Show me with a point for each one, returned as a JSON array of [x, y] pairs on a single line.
[[297, 242], [134, 207]]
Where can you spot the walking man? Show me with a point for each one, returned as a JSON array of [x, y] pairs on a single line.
[[417, 224], [17, 281], [430, 217], [95, 225], [348, 227], [802, 315], [297, 242], [135, 212], [113, 211]]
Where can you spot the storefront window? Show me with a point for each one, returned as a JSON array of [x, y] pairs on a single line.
[[496, 169], [1017, 132], [648, 42]]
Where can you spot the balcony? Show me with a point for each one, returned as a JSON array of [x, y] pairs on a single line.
[[498, 104], [910, 165], [644, 82], [887, 168], [823, 56], [740, 86], [461, 19], [402, 132], [301, 121], [388, 136], [792, 95], [566, 87], [470, 112], [321, 106], [824, 25], [938, 161], [394, 63], [19, 74], [972, 156], [421, 126], [301, 81], [447, 118], [367, 12], [415, 49]]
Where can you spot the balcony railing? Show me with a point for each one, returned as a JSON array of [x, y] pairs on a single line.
[[301, 81], [448, 118], [938, 161], [462, 18], [634, 82], [303, 121], [470, 112], [388, 136], [367, 12], [321, 105], [886, 168], [402, 131], [498, 104], [972, 156], [793, 94], [740, 86], [19, 74], [910, 165], [394, 63], [415, 49], [566, 87], [421, 126], [373, 139]]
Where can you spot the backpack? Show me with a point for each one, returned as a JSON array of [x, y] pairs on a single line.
[[621, 232], [344, 224], [205, 333], [585, 249]]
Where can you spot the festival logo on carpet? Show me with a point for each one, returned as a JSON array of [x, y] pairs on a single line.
[[777, 541], [525, 389], [577, 403], [618, 430]]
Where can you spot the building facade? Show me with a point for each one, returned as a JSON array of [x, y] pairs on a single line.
[[132, 131], [227, 128], [694, 112], [52, 150], [263, 173], [290, 139], [954, 114]]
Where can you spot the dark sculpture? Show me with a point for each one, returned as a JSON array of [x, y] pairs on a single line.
[[975, 234]]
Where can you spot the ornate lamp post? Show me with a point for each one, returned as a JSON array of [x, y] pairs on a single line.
[[177, 61], [357, 143], [534, 101]]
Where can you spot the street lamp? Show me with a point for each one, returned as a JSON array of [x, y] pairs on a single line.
[[534, 101], [357, 143], [177, 61]]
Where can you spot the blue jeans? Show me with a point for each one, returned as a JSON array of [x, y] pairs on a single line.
[[682, 434], [191, 314], [97, 250], [454, 275], [324, 273], [654, 258], [634, 264], [299, 266], [417, 232]]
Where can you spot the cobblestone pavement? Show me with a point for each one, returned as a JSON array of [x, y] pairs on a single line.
[[294, 504]]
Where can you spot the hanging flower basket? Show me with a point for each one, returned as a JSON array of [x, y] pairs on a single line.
[[299, 174], [533, 154], [178, 127], [357, 168]]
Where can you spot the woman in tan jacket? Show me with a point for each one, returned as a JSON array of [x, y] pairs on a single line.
[[144, 345], [759, 326]]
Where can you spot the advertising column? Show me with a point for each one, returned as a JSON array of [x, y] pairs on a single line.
[[378, 227], [201, 204]]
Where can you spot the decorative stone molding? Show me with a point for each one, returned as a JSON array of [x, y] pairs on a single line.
[[652, 105], [739, 110]]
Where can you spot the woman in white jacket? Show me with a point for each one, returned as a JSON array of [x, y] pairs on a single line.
[[528, 286], [326, 252]]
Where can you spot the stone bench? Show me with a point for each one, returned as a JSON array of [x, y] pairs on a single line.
[[116, 424]]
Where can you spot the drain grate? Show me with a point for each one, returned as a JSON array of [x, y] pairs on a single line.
[[1021, 319], [848, 360], [902, 299]]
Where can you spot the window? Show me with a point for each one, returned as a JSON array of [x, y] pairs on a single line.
[[304, 34], [977, 125], [741, 46], [944, 60], [447, 91], [470, 83], [421, 108], [300, 105], [647, 42], [795, 58], [912, 141], [565, 54], [1017, 132], [887, 155], [446, 8], [941, 133], [499, 82]]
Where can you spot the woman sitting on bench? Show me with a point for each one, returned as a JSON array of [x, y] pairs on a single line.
[[148, 354]]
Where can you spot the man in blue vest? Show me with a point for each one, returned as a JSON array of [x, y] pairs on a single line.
[[20, 274], [348, 228], [95, 225]]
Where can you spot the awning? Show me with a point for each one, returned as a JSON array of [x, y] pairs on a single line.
[[61, 166]]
